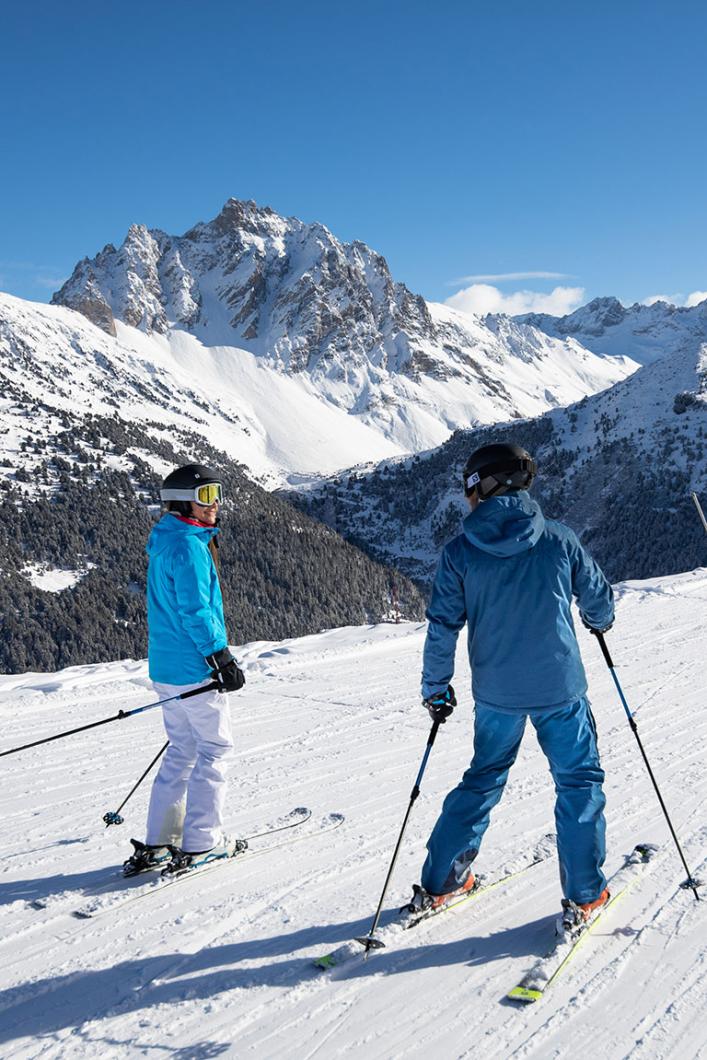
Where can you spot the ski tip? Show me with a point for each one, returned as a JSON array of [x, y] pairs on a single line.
[[525, 994], [300, 811], [337, 818], [646, 851], [82, 914], [327, 960]]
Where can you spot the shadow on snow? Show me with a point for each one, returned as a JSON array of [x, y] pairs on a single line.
[[49, 1005]]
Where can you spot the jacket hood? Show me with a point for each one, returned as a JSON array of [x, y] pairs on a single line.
[[169, 530], [504, 526]]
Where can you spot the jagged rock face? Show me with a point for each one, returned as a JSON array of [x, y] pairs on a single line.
[[643, 332], [254, 279], [307, 304]]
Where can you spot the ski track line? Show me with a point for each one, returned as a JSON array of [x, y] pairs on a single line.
[[209, 888], [56, 909], [247, 921], [662, 1039], [352, 982], [601, 979], [63, 916]]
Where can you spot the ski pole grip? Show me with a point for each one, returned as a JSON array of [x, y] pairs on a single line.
[[604, 649], [198, 691]]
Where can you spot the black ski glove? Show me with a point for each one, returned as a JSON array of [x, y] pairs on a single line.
[[226, 671], [594, 629], [441, 704]]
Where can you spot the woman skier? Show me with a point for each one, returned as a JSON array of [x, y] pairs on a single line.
[[187, 645], [510, 577]]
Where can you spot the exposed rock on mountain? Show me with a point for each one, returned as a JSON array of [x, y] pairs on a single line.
[[642, 332], [89, 426], [310, 306], [617, 466]]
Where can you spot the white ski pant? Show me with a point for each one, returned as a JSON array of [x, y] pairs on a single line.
[[186, 804]]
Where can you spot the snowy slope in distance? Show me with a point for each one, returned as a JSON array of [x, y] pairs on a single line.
[[223, 967], [284, 427], [310, 306], [643, 332], [55, 363]]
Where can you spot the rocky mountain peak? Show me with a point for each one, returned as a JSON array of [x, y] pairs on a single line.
[[300, 300]]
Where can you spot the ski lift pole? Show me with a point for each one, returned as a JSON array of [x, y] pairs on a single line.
[[701, 514], [690, 883], [115, 717], [113, 817], [369, 941]]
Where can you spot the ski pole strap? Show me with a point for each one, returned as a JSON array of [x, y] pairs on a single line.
[[115, 717]]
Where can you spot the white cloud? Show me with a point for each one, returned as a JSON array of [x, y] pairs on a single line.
[[499, 277], [482, 298], [678, 299], [671, 299]]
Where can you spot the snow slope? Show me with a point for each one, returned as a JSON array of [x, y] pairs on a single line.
[[55, 364], [307, 305], [221, 966], [644, 333]]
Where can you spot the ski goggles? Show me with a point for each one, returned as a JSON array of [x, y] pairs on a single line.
[[205, 495]]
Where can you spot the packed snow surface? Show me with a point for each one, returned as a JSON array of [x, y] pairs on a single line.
[[220, 965]]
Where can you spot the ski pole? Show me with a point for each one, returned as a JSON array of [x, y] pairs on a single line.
[[690, 883], [116, 717], [113, 817], [369, 941], [701, 514]]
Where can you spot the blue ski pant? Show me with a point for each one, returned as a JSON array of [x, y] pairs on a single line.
[[568, 738]]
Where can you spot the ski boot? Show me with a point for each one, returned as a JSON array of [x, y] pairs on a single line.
[[145, 857], [576, 914], [187, 860], [424, 902]]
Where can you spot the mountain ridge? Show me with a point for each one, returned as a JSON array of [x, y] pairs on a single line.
[[643, 332], [330, 313]]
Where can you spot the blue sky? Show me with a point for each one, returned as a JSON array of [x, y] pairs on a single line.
[[459, 139]]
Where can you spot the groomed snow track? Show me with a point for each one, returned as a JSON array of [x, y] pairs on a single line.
[[222, 966]]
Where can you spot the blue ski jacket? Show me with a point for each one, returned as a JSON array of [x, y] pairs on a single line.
[[184, 606], [510, 576]]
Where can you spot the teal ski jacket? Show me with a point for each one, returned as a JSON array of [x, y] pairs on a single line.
[[510, 576], [184, 606]]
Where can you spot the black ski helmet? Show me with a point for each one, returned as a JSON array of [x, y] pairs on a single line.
[[509, 467], [186, 478]]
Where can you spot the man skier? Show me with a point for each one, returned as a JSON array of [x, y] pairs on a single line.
[[510, 577], [187, 646]]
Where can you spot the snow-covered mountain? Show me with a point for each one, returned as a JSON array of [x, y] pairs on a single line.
[[55, 365], [89, 426], [330, 315], [617, 466], [221, 965], [642, 332]]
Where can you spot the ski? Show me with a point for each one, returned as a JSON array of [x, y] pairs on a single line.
[[546, 970], [127, 884], [111, 903], [404, 920]]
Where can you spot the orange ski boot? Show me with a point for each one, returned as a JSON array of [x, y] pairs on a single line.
[[575, 914]]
